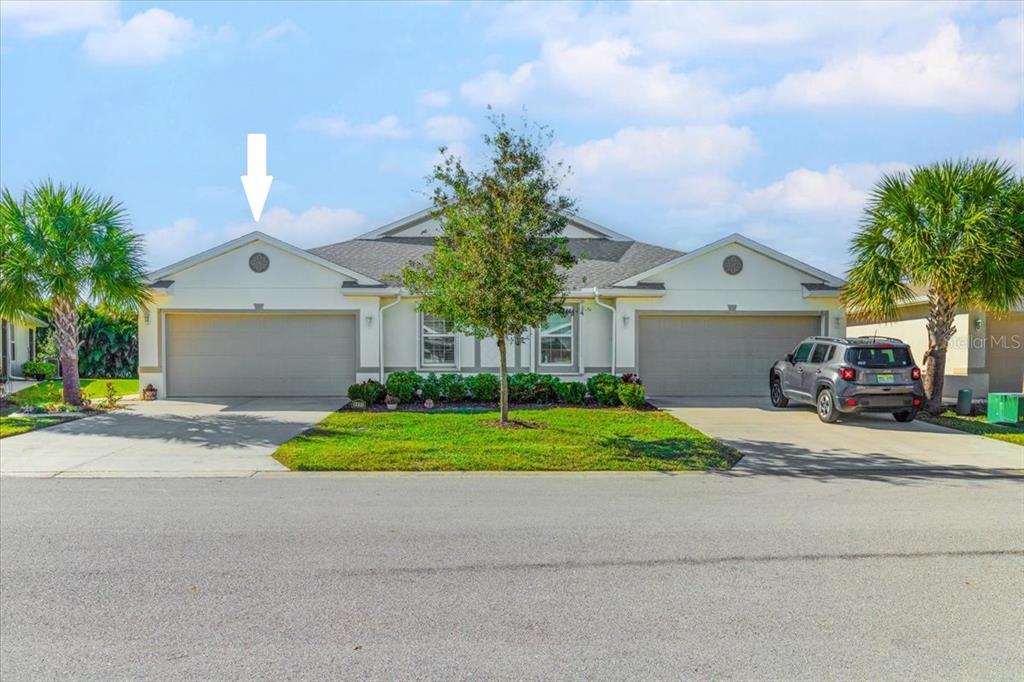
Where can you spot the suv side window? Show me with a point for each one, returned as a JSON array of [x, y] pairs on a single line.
[[819, 354], [803, 351]]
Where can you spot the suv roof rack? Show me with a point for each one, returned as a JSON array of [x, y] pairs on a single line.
[[833, 339], [875, 339]]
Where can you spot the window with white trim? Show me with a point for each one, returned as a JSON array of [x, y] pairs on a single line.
[[438, 342], [556, 340]]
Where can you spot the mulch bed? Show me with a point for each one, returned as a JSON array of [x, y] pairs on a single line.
[[478, 407]]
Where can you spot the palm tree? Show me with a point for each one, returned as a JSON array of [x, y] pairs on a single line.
[[63, 246], [952, 232]]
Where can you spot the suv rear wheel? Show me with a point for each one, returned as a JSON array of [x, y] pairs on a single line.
[[779, 398], [826, 405], [905, 415]]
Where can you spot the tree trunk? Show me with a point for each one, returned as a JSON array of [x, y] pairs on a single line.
[[503, 371], [65, 319], [940, 330]]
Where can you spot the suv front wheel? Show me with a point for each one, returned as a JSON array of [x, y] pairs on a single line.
[[779, 398], [826, 405]]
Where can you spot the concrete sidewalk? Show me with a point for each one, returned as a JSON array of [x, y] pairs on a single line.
[[793, 441], [214, 437]]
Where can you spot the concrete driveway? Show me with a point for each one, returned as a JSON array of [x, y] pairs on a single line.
[[793, 441], [214, 437]]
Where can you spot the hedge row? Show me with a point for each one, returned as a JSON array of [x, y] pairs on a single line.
[[528, 387]]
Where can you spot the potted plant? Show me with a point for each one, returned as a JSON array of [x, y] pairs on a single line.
[[428, 404], [391, 401], [149, 392]]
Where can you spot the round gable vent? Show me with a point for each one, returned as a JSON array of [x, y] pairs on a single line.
[[732, 265], [258, 262]]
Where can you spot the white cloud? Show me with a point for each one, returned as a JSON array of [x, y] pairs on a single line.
[[497, 88], [33, 18], [147, 38], [943, 75], [336, 126], [181, 239], [448, 128], [313, 227], [1010, 150], [279, 30], [602, 76], [435, 99], [669, 165], [842, 188]]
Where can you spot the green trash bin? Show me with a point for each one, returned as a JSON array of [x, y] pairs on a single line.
[[1005, 408]]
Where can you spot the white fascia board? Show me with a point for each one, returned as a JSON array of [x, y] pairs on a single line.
[[397, 225], [239, 242], [737, 238], [421, 216]]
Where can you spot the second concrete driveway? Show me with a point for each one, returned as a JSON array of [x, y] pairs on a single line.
[[214, 437], [793, 441]]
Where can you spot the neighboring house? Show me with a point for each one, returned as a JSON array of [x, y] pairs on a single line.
[[986, 353], [257, 316], [19, 344]]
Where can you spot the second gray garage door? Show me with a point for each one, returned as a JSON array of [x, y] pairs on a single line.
[[260, 355], [690, 355]]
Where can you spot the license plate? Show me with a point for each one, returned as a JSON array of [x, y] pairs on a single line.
[[885, 378]]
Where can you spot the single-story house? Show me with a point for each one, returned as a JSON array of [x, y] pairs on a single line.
[[986, 354], [257, 316], [19, 343]]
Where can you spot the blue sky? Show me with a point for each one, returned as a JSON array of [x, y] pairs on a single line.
[[682, 122]]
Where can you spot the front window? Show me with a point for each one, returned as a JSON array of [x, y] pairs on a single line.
[[438, 341], [556, 340], [803, 352]]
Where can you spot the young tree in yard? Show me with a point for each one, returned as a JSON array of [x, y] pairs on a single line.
[[498, 269], [61, 246], [953, 232]]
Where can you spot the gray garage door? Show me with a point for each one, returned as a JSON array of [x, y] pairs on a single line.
[[260, 355], [682, 355]]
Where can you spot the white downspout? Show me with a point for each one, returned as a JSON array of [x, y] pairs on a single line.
[[615, 335], [380, 334]]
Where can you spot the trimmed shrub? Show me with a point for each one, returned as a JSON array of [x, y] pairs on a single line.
[[374, 392], [403, 385], [371, 391], [431, 388], [39, 369], [520, 387], [484, 388], [546, 389], [632, 395], [357, 392], [604, 388], [572, 392], [453, 387]]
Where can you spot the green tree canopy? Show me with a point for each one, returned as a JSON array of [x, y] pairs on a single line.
[[63, 246], [498, 269], [952, 232]]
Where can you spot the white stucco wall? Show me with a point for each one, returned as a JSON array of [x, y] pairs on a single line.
[[226, 283], [764, 286]]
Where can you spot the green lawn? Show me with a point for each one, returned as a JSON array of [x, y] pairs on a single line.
[[979, 425], [564, 439], [50, 391], [13, 426]]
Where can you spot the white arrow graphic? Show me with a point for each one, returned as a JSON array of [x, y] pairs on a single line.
[[256, 182]]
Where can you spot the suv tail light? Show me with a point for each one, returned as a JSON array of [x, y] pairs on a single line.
[[915, 373], [847, 373]]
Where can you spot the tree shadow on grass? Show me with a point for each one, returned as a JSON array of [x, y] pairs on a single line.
[[685, 453]]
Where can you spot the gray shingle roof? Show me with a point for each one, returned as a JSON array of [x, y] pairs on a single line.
[[602, 262]]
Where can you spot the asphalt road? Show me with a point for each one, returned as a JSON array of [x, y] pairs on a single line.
[[525, 577]]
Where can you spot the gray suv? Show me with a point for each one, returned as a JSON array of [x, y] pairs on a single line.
[[843, 376]]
